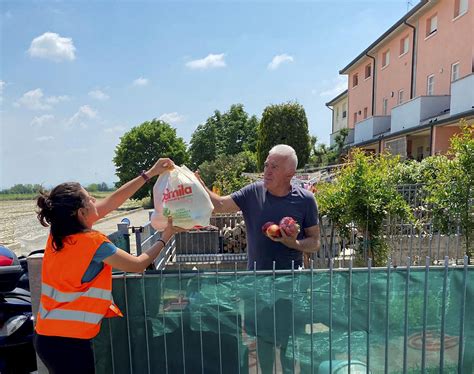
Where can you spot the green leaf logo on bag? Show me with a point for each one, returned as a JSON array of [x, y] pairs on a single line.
[[166, 212]]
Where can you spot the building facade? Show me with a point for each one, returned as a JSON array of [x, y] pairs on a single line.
[[408, 91]]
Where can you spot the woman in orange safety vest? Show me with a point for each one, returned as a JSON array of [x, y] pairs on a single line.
[[76, 285]]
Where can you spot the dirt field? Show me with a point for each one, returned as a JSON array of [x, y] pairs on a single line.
[[20, 229]]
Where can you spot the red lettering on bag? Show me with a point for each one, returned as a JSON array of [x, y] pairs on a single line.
[[176, 194]]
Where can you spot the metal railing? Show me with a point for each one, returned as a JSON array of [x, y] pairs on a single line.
[[407, 319]]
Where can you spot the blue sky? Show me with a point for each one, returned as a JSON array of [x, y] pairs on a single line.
[[76, 75]]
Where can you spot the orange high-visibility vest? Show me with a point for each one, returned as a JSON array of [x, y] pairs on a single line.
[[68, 307]]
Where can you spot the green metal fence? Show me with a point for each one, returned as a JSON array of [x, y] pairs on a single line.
[[384, 320]]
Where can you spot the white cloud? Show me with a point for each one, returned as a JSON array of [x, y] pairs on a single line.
[[115, 129], [209, 62], [85, 112], [41, 120], [338, 85], [278, 60], [44, 138], [35, 100], [140, 82], [98, 95], [52, 46], [171, 118]]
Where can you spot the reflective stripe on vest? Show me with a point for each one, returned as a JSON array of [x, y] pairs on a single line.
[[63, 297], [69, 315]]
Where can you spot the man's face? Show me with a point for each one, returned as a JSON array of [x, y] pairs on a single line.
[[276, 172]]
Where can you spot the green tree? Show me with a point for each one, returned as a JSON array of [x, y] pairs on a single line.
[[364, 192], [451, 193], [229, 133], [284, 124], [203, 145], [225, 172], [141, 147]]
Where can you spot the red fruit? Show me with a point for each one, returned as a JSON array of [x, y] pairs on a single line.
[[289, 226], [274, 231], [266, 225]]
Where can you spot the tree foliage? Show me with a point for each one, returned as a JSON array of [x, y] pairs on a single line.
[[141, 147], [225, 172], [364, 193], [22, 189], [451, 193], [284, 124], [223, 134]]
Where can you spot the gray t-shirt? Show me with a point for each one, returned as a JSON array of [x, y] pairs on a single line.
[[258, 207]]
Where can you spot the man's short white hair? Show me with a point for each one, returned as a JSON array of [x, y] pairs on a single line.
[[286, 151]]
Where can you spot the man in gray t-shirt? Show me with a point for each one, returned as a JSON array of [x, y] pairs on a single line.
[[271, 200]]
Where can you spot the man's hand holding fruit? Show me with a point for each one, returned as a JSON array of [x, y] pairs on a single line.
[[285, 232]]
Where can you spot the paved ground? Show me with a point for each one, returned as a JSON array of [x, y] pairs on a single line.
[[107, 226]]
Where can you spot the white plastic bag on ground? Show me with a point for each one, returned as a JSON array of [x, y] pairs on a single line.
[[178, 193]]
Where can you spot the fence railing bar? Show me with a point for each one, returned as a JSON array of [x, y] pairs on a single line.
[[331, 268], [237, 323], [387, 315], [462, 316], [425, 316], [145, 318], [162, 292], [443, 314], [274, 319], [369, 301], [218, 318], [312, 316], [458, 246], [130, 358], [349, 318], [257, 360], [293, 312], [182, 319], [200, 323], [405, 319]]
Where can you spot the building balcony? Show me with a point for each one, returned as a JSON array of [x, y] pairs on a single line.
[[371, 127], [462, 95], [349, 138], [416, 111]]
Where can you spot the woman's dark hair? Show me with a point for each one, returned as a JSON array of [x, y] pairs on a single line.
[[58, 209]]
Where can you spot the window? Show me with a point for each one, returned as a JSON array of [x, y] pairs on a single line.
[[454, 71], [404, 45], [368, 71], [385, 58], [355, 117], [355, 80], [430, 85], [384, 106], [365, 112], [400, 97], [460, 7], [344, 111], [431, 25], [397, 147]]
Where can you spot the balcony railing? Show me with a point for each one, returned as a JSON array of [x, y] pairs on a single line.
[[369, 128], [412, 113], [462, 95]]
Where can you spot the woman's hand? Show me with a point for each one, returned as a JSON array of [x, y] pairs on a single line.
[[170, 230], [162, 165]]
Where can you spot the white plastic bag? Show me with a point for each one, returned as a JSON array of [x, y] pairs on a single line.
[[178, 193]]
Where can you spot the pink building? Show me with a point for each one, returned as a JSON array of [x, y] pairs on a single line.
[[410, 88]]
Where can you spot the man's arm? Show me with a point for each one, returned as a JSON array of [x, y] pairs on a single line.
[[222, 204], [310, 244]]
